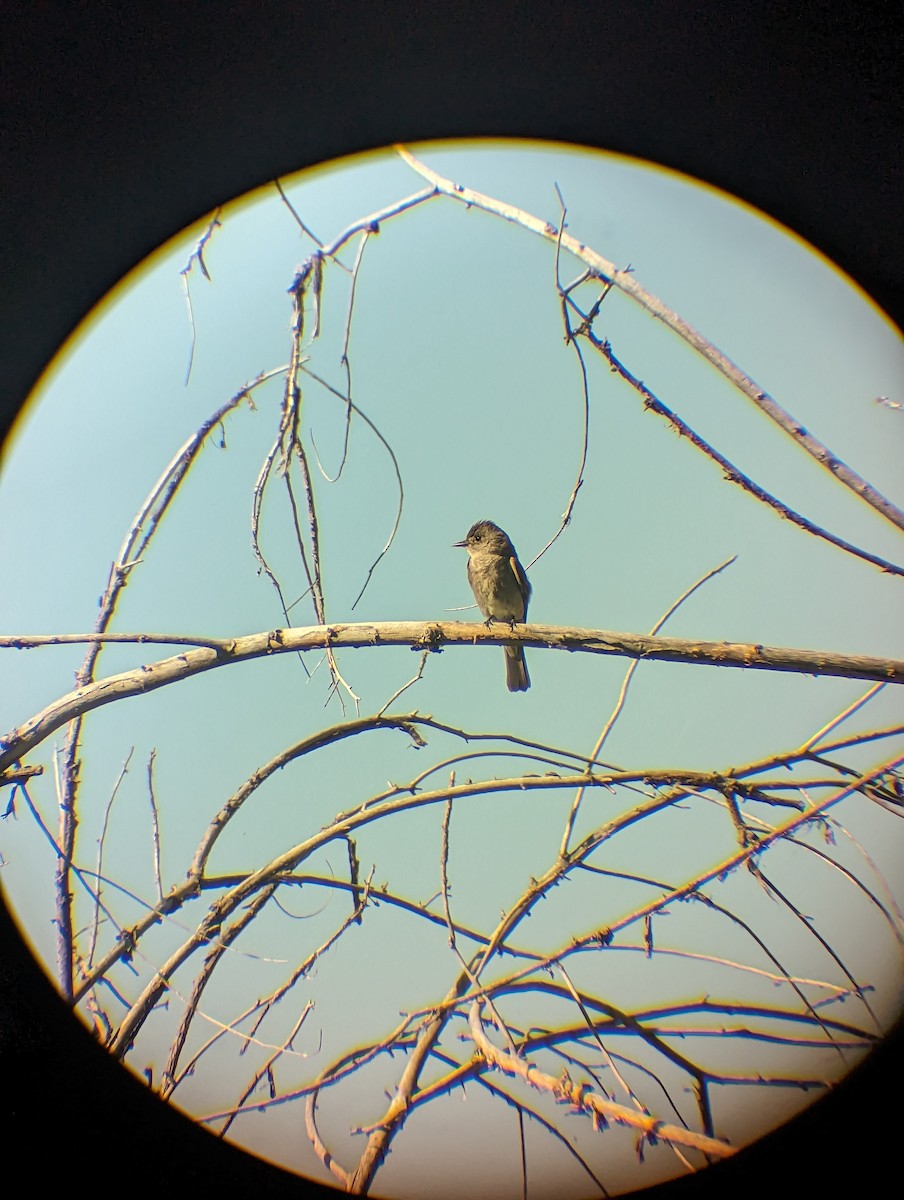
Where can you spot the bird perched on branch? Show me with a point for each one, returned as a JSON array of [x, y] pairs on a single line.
[[500, 588]]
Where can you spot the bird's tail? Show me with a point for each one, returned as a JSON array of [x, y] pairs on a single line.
[[516, 676]]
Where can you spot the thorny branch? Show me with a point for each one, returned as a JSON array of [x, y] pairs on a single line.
[[582, 1098], [126, 979], [730, 472], [243, 897], [624, 280], [141, 531]]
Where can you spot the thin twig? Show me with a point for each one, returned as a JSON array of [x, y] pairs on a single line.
[[396, 470], [585, 388], [197, 256], [620, 702], [155, 825], [101, 842], [291, 207], [344, 360], [444, 865], [842, 716]]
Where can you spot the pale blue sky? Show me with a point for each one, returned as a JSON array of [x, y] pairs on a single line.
[[457, 355]]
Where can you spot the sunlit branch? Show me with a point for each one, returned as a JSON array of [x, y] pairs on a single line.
[[266, 1071], [688, 890], [142, 529], [426, 635], [149, 997], [585, 1100], [652, 1020], [415, 908], [624, 280], [840, 717], [730, 472], [155, 826]]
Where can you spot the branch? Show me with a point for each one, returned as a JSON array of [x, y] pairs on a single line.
[[730, 472], [419, 635], [609, 273], [144, 525], [691, 889], [583, 1099]]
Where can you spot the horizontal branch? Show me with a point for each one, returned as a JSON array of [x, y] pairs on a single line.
[[419, 635]]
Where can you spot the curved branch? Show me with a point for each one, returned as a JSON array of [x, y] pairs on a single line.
[[141, 531], [419, 635], [688, 890]]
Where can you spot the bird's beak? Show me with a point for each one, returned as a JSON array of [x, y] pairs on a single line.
[[464, 544]]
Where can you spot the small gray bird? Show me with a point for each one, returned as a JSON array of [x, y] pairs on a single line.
[[500, 588]]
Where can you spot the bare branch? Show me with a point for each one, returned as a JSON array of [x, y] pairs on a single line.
[[689, 889], [395, 466], [626, 682], [420, 635], [108, 808], [585, 390], [143, 527], [584, 1100], [730, 472], [197, 255], [289, 205], [625, 282]]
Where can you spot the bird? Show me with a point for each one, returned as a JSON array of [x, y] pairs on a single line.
[[500, 588]]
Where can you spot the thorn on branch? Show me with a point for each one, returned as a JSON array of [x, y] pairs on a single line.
[[648, 935], [353, 871], [127, 942]]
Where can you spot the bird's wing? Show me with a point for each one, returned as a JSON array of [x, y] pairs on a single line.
[[523, 584]]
